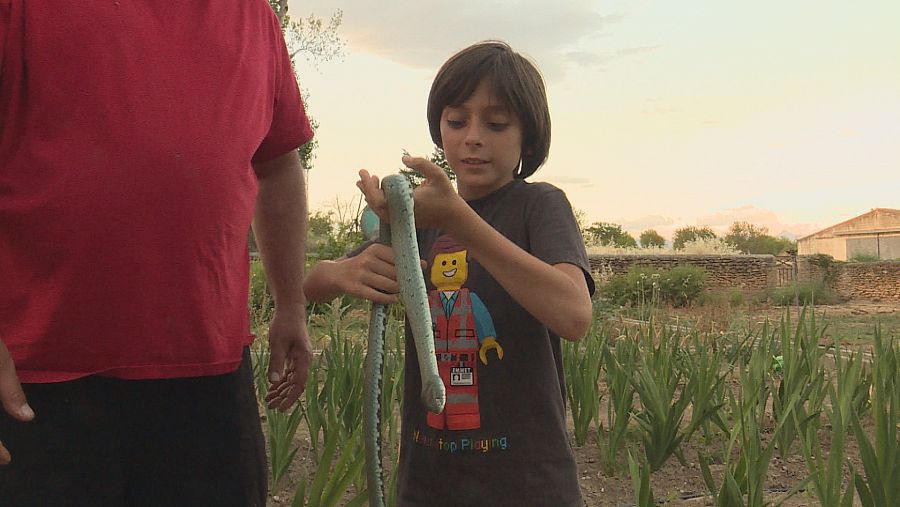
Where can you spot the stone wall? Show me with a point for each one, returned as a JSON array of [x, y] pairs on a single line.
[[870, 280], [854, 280], [745, 272], [809, 270]]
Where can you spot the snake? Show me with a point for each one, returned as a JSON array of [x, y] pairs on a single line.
[[400, 235]]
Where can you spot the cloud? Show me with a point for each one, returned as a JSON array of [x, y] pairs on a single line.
[[660, 110], [422, 34], [646, 222], [597, 58], [572, 181], [721, 221], [663, 225], [636, 51]]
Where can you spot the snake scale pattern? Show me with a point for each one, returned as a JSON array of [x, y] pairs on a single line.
[[401, 236]]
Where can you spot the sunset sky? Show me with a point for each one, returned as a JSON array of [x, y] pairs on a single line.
[[665, 114]]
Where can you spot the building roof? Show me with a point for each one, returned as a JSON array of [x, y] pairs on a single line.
[[845, 227]]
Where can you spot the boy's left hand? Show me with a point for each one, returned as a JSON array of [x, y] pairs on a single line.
[[370, 187], [435, 199]]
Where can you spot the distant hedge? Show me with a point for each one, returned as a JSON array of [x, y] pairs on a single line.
[[679, 286]]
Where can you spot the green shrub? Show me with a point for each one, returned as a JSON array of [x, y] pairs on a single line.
[[682, 284], [679, 286], [731, 297], [262, 306], [636, 287], [821, 260], [735, 298], [828, 266], [864, 257], [808, 293], [710, 298]]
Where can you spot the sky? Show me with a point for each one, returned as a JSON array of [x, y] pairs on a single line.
[[665, 114]]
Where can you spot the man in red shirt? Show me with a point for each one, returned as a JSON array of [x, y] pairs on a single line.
[[138, 140]]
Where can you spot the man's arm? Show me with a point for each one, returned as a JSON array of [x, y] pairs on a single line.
[[279, 224]]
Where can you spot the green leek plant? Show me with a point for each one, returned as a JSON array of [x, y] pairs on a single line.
[[281, 428], [343, 362], [659, 373], [881, 458], [334, 394], [754, 372], [706, 363], [620, 361], [802, 378], [333, 402], [336, 327], [827, 472], [581, 364], [743, 484], [640, 481], [331, 479], [314, 399]]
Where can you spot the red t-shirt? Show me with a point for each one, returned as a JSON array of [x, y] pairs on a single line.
[[127, 132]]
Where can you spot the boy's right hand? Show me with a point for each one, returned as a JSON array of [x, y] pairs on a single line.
[[11, 396], [437, 204], [371, 275]]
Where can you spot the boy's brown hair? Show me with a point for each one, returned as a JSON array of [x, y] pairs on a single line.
[[512, 78]]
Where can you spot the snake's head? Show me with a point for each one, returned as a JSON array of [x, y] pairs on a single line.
[[434, 396], [370, 224]]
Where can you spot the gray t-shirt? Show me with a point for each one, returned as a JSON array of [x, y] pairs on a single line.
[[502, 439]]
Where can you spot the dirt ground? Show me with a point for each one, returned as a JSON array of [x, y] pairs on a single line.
[[860, 309], [677, 484]]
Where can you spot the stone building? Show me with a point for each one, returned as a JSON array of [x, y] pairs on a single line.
[[872, 234]]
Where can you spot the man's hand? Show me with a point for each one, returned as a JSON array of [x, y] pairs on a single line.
[[12, 397], [279, 223], [289, 360]]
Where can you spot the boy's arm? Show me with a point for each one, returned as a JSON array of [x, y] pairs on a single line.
[[279, 224], [563, 302], [370, 274], [555, 295]]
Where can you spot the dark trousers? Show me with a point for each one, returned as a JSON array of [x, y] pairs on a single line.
[[99, 442]]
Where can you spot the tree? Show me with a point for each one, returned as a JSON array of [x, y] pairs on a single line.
[[753, 239], [651, 239], [742, 235], [580, 218], [437, 158], [689, 234], [333, 233], [608, 234], [318, 42], [320, 224]]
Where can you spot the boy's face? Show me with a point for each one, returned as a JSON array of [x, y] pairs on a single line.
[[482, 141]]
